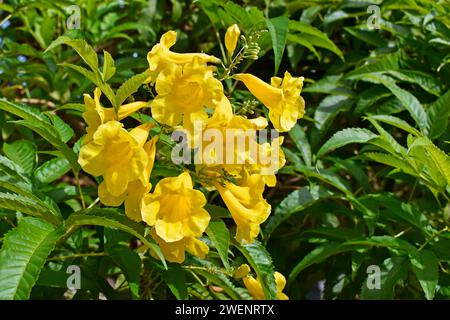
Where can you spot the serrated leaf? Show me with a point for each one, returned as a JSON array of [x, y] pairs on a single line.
[[86, 52], [47, 132], [345, 137], [260, 260], [94, 78], [314, 36], [299, 138], [409, 101], [130, 264], [64, 130], [426, 267], [129, 87], [109, 68], [278, 29], [438, 113], [296, 201], [112, 219], [219, 235], [23, 255], [392, 270], [397, 122], [176, 281], [51, 170], [23, 153], [28, 205]]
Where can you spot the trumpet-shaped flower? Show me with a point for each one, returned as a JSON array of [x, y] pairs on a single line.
[[160, 57], [96, 115], [231, 38], [255, 288], [236, 140], [183, 92], [116, 154], [246, 204], [175, 251], [176, 209], [281, 97], [136, 189]]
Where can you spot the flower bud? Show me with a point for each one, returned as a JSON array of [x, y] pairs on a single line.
[[231, 38]]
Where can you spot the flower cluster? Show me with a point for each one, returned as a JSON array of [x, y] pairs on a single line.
[[190, 94]]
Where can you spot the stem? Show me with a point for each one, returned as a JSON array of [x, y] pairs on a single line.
[[432, 237], [78, 255], [77, 178], [94, 203]]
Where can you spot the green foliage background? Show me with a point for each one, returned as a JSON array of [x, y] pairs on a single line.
[[368, 175]]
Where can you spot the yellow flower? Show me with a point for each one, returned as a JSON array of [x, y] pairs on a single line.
[[116, 154], [256, 290], [136, 189], [96, 114], [175, 251], [231, 38], [176, 209], [246, 204], [160, 57], [281, 97], [183, 92], [235, 154], [242, 271]]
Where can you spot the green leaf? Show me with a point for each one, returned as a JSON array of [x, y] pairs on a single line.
[[48, 133], [23, 255], [278, 29], [314, 36], [261, 262], [35, 121], [28, 205], [51, 170], [426, 81], [392, 270], [130, 263], [345, 137], [129, 87], [86, 52], [298, 39], [94, 78], [64, 130], [408, 100], [372, 37], [387, 62], [112, 219], [438, 113], [296, 201], [175, 279], [299, 137], [219, 235], [396, 122], [327, 250], [109, 68], [426, 267], [23, 153]]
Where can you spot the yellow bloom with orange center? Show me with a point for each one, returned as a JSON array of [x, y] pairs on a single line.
[[175, 209], [184, 92], [136, 189], [231, 38], [281, 97], [96, 115], [115, 154], [175, 251], [255, 288], [246, 204], [160, 57]]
